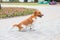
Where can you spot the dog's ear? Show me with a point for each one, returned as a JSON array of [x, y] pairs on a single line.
[[35, 13]]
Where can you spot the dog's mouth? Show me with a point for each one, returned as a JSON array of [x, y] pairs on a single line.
[[40, 15]]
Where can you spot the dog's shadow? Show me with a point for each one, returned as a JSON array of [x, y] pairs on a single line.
[[34, 31], [27, 30], [24, 30]]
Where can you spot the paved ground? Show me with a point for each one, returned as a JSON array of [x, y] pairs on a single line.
[[46, 28]]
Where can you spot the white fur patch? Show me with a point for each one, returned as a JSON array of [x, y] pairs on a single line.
[[33, 19], [24, 26]]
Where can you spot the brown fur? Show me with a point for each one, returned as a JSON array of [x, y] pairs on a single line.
[[29, 20]]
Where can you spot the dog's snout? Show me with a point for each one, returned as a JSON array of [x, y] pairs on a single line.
[[41, 15]]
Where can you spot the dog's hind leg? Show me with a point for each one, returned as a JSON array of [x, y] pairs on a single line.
[[20, 27]]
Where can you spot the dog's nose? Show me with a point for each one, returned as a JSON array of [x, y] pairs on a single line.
[[42, 15]]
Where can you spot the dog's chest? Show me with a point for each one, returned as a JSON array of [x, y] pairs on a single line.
[[33, 19]]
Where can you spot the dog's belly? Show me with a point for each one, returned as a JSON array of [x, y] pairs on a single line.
[[26, 26]]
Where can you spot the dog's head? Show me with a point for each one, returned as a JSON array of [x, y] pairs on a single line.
[[38, 13]]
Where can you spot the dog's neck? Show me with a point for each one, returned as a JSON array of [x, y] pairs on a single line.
[[33, 17]]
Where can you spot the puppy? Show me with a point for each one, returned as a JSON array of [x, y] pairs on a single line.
[[29, 20]]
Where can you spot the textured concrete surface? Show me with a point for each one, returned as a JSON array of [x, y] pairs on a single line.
[[46, 28]]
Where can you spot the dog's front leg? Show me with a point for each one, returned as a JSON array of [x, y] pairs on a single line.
[[31, 26]]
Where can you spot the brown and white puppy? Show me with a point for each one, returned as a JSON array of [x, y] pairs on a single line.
[[29, 20]]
